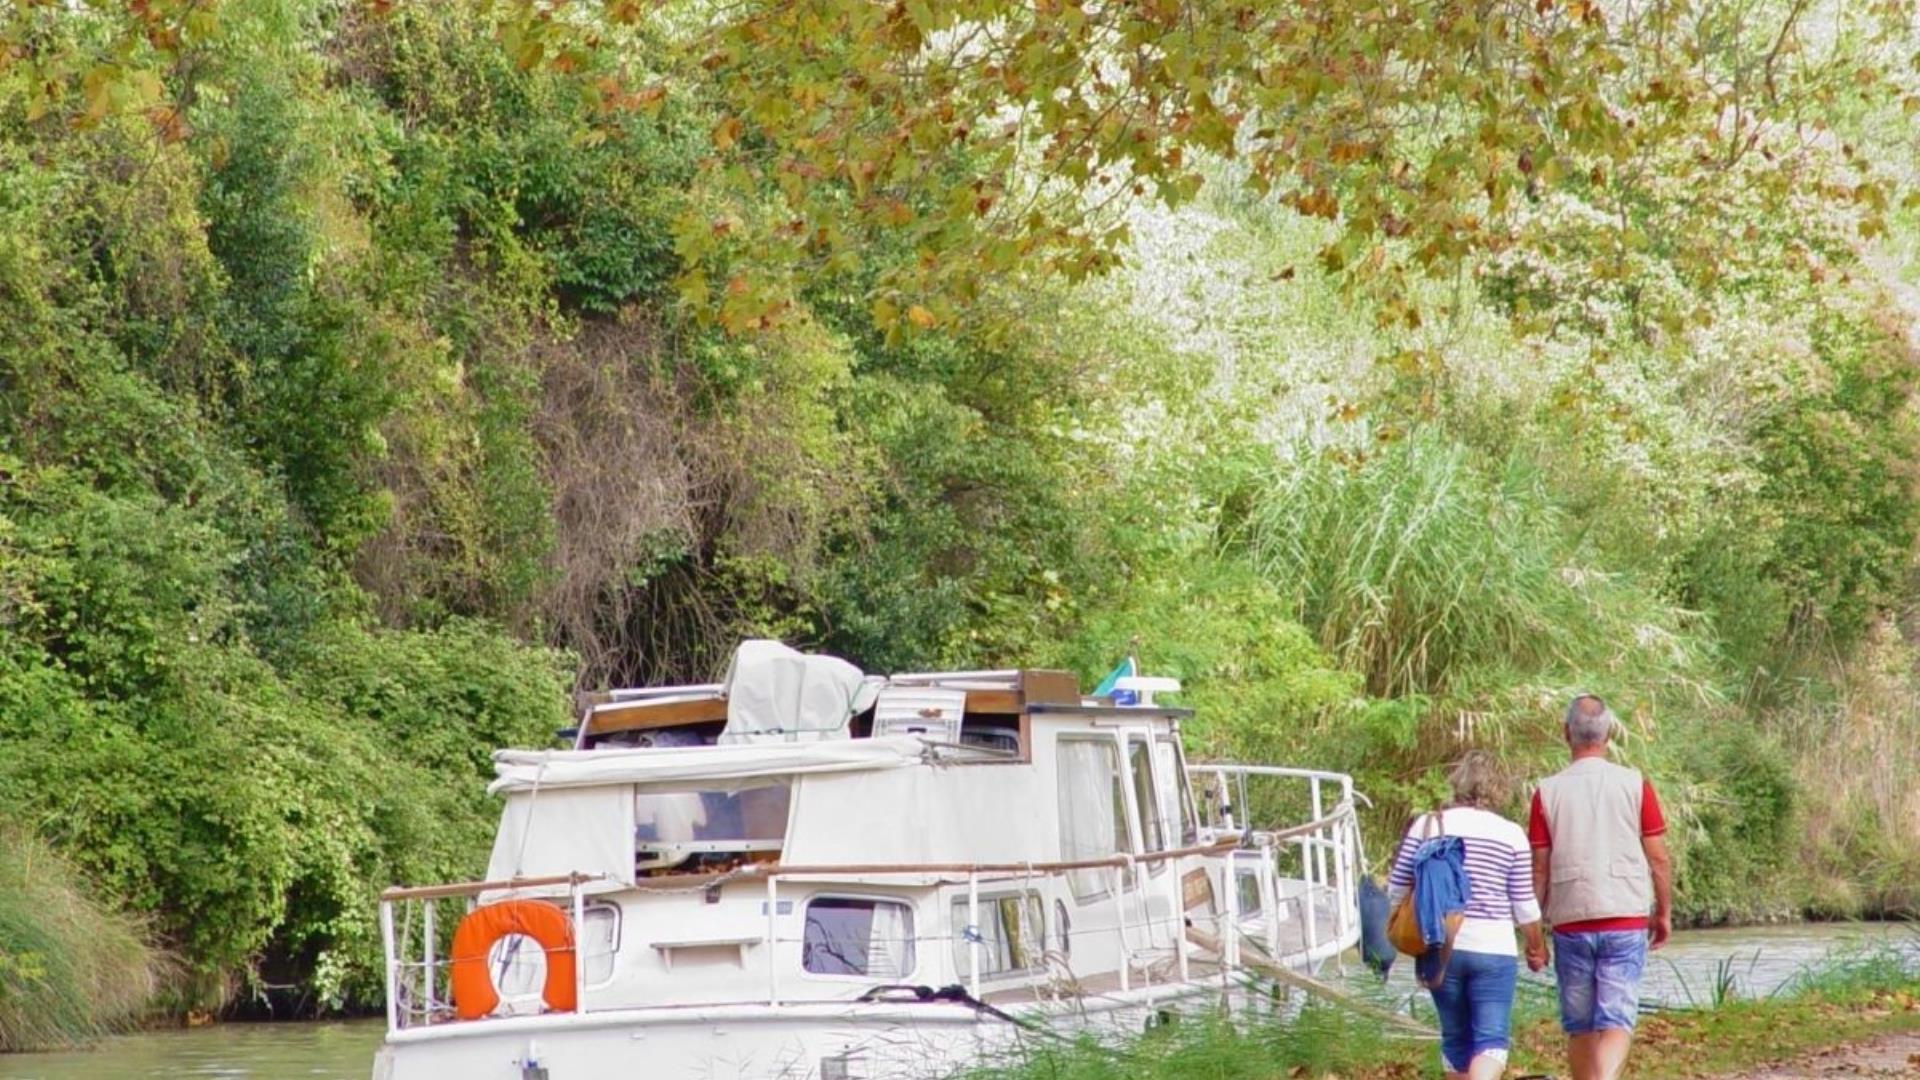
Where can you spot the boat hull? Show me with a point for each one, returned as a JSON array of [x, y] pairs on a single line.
[[815, 1041]]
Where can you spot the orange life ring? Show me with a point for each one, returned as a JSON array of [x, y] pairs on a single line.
[[474, 995]]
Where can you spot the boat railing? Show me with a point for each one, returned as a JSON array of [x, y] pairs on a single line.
[[1324, 848], [1316, 863], [414, 986]]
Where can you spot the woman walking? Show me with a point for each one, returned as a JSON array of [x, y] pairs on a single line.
[[1475, 999]]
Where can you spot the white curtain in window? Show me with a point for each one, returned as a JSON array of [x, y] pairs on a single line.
[[890, 943], [1087, 771], [1031, 933]]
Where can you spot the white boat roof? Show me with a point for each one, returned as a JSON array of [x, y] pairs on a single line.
[[526, 770]]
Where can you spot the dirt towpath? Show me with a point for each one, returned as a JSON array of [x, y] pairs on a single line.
[[1897, 1054]]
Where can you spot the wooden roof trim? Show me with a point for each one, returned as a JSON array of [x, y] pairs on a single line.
[[700, 705]]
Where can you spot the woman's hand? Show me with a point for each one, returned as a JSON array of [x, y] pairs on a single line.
[[1537, 956]]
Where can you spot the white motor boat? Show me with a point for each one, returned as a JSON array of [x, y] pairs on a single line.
[[809, 872]]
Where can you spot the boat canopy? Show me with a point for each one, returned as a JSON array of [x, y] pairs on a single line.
[[530, 770], [775, 693], [555, 833]]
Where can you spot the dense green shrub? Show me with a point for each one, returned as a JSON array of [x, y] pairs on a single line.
[[253, 812]]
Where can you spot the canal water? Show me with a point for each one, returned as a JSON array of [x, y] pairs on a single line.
[[1752, 962], [1757, 961]]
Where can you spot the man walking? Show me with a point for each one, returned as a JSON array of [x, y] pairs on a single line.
[[1600, 864]]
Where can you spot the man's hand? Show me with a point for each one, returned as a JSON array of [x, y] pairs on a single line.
[[1537, 957], [1660, 863]]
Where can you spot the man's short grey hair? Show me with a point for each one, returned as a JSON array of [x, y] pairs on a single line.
[[1589, 721]]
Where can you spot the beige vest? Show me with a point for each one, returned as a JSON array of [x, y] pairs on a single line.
[[1598, 868]]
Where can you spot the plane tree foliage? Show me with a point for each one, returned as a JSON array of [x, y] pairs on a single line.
[[976, 140], [372, 370]]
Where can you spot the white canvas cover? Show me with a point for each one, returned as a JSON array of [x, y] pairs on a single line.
[[777, 692], [955, 814], [522, 770], [563, 831]]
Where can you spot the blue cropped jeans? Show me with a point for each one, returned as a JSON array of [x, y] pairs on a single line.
[[1475, 1004]]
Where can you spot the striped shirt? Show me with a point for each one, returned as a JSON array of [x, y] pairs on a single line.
[[1500, 867]]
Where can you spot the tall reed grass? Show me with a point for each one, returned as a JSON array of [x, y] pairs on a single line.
[[1434, 571], [72, 968], [1856, 751]]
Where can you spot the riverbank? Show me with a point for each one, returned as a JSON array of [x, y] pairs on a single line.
[[1839, 1007]]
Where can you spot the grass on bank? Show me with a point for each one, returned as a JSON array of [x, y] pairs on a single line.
[[71, 967], [1321, 1041], [1845, 999]]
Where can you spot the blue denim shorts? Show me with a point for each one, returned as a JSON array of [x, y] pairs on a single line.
[[1475, 1003], [1599, 975]]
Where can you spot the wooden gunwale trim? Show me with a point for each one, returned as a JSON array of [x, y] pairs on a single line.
[[474, 888]]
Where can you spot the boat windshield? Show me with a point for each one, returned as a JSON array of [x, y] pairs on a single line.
[[671, 824]]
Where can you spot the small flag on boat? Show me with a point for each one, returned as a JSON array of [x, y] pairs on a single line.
[[1109, 686]]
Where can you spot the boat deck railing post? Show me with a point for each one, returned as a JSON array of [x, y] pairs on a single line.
[[1147, 925], [579, 898], [392, 973], [1115, 881], [1230, 932], [1322, 838], [426, 953], [1307, 907], [1177, 897], [1343, 875], [1348, 902], [773, 909], [1270, 887], [973, 935]]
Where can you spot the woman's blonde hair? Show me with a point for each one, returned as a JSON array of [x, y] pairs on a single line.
[[1478, 780]]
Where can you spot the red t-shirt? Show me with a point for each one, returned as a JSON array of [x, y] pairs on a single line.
[[1652, 823]]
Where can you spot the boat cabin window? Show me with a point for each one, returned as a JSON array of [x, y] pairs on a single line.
[[519, 964], [1003, 738], [1013, 936], [700, 825], [1146, 797], [599, 940], [1175, 789], [1093, 810], [857, 936], [1247, 889]]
